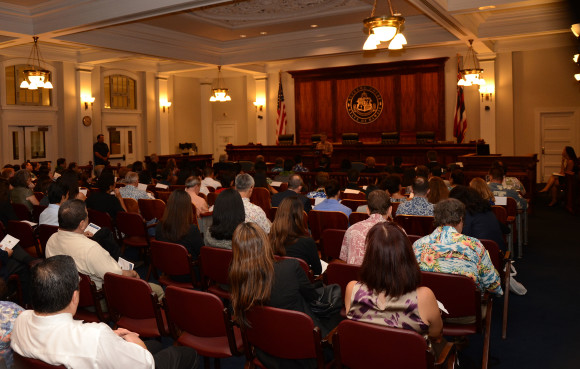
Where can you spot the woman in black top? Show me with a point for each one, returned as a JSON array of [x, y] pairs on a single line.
[[289, 236]]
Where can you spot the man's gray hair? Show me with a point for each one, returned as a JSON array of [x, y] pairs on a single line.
[[131, 177], [192, 182], [448, 212], [244, 182], [294, 181]]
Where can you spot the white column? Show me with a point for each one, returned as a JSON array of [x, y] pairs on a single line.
[[261, 110], [162, 98], [487, 111], [206, 116], [84, 94]]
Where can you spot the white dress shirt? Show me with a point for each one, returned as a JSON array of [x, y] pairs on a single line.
[[49, 215]]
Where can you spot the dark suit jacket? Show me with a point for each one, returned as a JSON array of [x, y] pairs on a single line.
[[277, 199]]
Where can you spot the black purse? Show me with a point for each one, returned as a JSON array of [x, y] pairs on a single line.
[[329, 301]]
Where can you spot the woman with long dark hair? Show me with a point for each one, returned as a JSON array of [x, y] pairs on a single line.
[[289, 236], [569, 165], [389, 291], [228, 213]]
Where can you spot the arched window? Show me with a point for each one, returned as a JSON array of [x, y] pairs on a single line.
[[120, 92], [23, 96]]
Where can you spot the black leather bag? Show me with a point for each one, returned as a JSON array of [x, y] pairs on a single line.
[[329, 301]]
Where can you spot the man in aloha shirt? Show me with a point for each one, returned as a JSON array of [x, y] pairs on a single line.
[[9, 311], [498, 190], [418, 205], [446, 250]]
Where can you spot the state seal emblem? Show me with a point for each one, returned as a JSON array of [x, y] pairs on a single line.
[[364, 104]]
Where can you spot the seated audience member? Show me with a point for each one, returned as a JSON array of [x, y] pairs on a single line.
[[22, 192], [510, 182], [7, 173], [370, 163], [30, 168], [320, 180], [102, 200], [6, 210], [153, 165], [482, 188], [50, 334], [392, 184], [432, 159], [323, 165], [353, 244], [177, 225], [226, 180], [389, 291], [437, 190], [278, 165], [345, 165], [457, 178], [91, 259], [209, 181], [436, 171], [70, 181], [570, 165], [193, 187], [407, 180], [56, 195], [499, 190], [261, 178], [397, 165], [228, 212], [352, 177], [332, 202], [479, 222], [259, 158], [295, 184], [131, 189], [299, 165], [324, 146], [9, 311], [41, 186], [422, 171], [60, 165], [446, 250], [289, 236], [169, 173], [258, 279], [254, 213], [121, 173], [74, 167], [418, 205], [287, 172]]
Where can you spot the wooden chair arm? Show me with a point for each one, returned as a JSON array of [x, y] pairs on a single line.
[[446, 355], [329, 336]]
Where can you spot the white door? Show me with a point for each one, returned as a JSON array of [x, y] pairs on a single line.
[[30, 143], [558, 129], [122, 145], [223, 134]]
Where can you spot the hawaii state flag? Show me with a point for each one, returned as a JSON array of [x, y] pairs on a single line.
[[281, 121], [460, 120]]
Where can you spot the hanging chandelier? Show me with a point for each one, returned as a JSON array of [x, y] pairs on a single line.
[[471, 72], [220, 94], [385, 29], [34, 76]]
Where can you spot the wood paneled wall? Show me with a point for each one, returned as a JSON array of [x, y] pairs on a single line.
[[413, 95]]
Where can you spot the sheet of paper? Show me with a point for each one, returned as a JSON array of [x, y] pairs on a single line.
[[364, 187], [318, 200], [276, 184], [9, 242], [92, 228], [441, 307], [125, 265], [348, 190], [55, 176], [324, 265], [501, 200], [142, 186], [32, 224], [84, 191], [162, 186]]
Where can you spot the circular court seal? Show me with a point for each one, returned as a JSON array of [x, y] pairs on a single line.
[[364, 104]]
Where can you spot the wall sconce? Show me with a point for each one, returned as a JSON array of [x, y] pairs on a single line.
[[165, 104], [259, 103], [486, 91], [87, 99]]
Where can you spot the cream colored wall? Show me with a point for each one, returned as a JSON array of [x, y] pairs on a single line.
[[184, 112], [236, 110]]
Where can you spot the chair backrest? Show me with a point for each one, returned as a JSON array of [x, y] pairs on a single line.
[[511, 207], [303, 264], [211, 196], [44, 232], [176, 187], [261, 197], [341, 274], [215, 264], [171, 258], [360, 345], [283, 333], [495, 254], [24, 232], [22, 211], [151, 208], [500, 213], [131, 205], [352, 196], [131, 224], [331, 243], [36, 211], [355, 217], [353, 204], [21, 362], [89, 308], [321, 220], [416, 224], [163, 195], [394, 207], [39, 195], [413, 237], [100, 218]]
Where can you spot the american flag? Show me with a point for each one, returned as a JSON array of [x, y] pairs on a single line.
[[460, 121], [281, 121]]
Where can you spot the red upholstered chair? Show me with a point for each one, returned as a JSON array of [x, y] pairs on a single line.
[[359, 345], [90, 297], [131, 205], [215, 265], [321, 220], [176, 187], [211, 198], [134, 228], [357, 217], [352, 196], [502, 263], [24, 232], [331, 243], [172, 259], [412, 238], [21, 362], [199, 320], [282, 333], [416, 224], [22, 212], [134, 306], [101, 219], [341, 274], [261, 197], [44, 231], [36, 211], [353, 204], [462, 299], [151, 208], [163, 195], [302, 263], [501, 215]]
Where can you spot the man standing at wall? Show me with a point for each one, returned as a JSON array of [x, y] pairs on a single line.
[[101, 151]]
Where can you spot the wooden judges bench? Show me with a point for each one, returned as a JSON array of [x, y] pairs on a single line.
[[200, 160], [383, 154]]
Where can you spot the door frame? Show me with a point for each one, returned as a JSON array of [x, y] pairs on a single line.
[[110, 127]]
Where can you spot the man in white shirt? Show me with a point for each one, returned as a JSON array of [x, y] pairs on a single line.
[[57, 194], [49, 333], [209, 180], [254, 213]]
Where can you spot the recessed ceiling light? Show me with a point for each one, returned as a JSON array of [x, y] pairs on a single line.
[[263, 33], [486, 7], [243, 36], [313, 25]]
